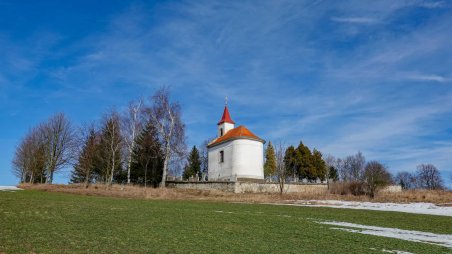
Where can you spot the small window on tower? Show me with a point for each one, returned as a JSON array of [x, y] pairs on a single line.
[[221, 132], [221, 156]]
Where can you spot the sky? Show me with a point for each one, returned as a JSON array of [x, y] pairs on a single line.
[[341, 76]]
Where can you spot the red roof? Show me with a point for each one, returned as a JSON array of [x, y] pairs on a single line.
[[240, 132], [226, 118]]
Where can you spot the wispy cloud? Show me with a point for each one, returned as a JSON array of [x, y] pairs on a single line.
[[431, 5], [431, 77], [355, 20]]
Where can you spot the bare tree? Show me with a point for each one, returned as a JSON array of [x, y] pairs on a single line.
[[166, 117], [204, 156], [346, 168], [29, 159], [22, 160], [376, 176], [341, 169], [330, 160], [406, 180], [352, 168], [59, 143], [281, 170], [131, 123], [429, 177], [111, 142], [357, 167]]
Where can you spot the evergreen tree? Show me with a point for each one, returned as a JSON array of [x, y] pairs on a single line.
[[83, 171], [332, 174], [290, 161], [147, 158], [319, 165], [193, 168], [304, 162], [187, 172], [270, 161]]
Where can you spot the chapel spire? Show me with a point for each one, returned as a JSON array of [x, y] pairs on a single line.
[[226, 118]]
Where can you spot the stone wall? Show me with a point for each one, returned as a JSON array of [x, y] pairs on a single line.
[[249, 187], [274, 188], [392, 189], [221, 186]]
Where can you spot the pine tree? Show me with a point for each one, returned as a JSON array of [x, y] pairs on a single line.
[[194, 164], [270, 161], [290, 161], [333, 174], [319, 165], [147, 158], [83, 171], [304, 162], [187, 172]]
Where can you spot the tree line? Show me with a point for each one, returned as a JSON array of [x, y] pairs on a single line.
[[291, 164], [299, 163], [134, 146], [426, 176], [137, 146]]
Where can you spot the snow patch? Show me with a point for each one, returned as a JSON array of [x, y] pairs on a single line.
[[417, 208], [408, 235], [396, 251], [9, 188], [393, 251], [284, 215], [222, 212]]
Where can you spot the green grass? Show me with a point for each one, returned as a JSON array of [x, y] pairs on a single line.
[[43, 222]]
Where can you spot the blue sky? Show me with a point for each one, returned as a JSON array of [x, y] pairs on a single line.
[[342, 76]]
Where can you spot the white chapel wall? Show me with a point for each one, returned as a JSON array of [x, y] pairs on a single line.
[[243, 158], [220, 171], [247, 159]]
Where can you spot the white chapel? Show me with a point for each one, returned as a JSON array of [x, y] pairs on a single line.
[[236, 153]]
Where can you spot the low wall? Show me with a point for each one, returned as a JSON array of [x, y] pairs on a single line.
[[274, 188], [249, 187], [392, 189], [221, 186]]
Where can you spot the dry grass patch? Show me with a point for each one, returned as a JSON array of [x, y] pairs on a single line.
[[439, 197]]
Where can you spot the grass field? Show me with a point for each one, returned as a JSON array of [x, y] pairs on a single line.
[[44, 222]]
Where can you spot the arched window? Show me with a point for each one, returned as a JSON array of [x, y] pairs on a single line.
[[221, 132]]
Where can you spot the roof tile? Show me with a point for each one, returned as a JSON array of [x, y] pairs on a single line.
[[236, 133]]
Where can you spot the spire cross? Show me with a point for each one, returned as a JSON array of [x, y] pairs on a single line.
[[226, 101]]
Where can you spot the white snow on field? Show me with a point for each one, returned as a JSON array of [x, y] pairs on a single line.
[[393, 251], [409, 235], [9, 188], [419, 208]]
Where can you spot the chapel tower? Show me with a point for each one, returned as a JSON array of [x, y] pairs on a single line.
[[225, 124]]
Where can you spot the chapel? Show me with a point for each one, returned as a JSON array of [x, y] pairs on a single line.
[[236, 153]]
